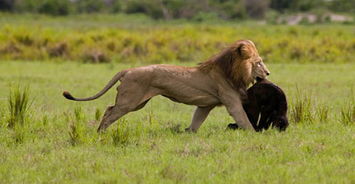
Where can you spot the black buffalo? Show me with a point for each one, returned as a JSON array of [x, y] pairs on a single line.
[[268, 101]]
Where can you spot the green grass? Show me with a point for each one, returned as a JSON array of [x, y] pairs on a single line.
[[18, 105], [59, 143]]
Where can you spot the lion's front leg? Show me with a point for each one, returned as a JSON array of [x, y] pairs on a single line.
[[240, 117], [234, 107], [199, 117]]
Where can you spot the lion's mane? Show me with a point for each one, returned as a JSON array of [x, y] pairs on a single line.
[[233, 63]]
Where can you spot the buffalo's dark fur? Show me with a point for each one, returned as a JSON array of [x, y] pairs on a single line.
[[269, 101]]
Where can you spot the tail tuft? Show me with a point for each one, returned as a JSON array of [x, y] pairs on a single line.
[[68, 96]]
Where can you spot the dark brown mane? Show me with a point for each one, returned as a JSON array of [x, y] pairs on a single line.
[[223, 57], [229, 61]]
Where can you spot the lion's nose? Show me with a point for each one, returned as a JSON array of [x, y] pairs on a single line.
[[267, 73]]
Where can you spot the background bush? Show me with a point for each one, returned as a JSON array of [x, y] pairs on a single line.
[[172, 9], [93, 40]]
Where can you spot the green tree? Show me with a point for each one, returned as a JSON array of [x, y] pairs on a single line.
[[6, 5], [89, 6], [148, 7], [257, 8], [342, 6], [280, 5], [55, 7]]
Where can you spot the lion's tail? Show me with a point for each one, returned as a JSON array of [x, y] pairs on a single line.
[[109, 85]]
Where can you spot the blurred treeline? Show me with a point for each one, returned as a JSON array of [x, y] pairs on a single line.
[[179, 9]]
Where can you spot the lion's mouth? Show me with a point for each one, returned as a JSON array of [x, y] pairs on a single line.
[[258, 79]]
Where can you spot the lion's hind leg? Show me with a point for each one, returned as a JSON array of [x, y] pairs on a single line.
[[112, 114], [127, 100], [198, 118]]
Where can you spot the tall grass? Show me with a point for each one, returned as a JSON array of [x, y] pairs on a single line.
[[80, 133], [44, 120], [76, 128], [120, 137], [2, 116], [301, 111], [98, 114], [304, 111], [347, 115], [322, 113], [18, 106]]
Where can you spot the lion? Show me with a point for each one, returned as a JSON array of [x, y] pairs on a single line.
[[221, 80], [267, 100]]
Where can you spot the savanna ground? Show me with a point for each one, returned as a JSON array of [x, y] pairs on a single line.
[[57, 141]]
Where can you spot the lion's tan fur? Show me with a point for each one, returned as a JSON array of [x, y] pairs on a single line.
[[219, 80]]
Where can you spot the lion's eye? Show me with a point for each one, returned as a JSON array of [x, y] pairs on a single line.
[[258, 64]]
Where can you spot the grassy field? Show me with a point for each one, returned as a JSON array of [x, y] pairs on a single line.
[[58, 142], [55, 140]]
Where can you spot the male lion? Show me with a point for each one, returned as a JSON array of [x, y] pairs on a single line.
[[269, 101], [221, 80]]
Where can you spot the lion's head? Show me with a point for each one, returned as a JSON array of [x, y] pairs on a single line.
[[240, 62]]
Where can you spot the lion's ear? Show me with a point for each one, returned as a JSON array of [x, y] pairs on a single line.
[[244, 51]]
